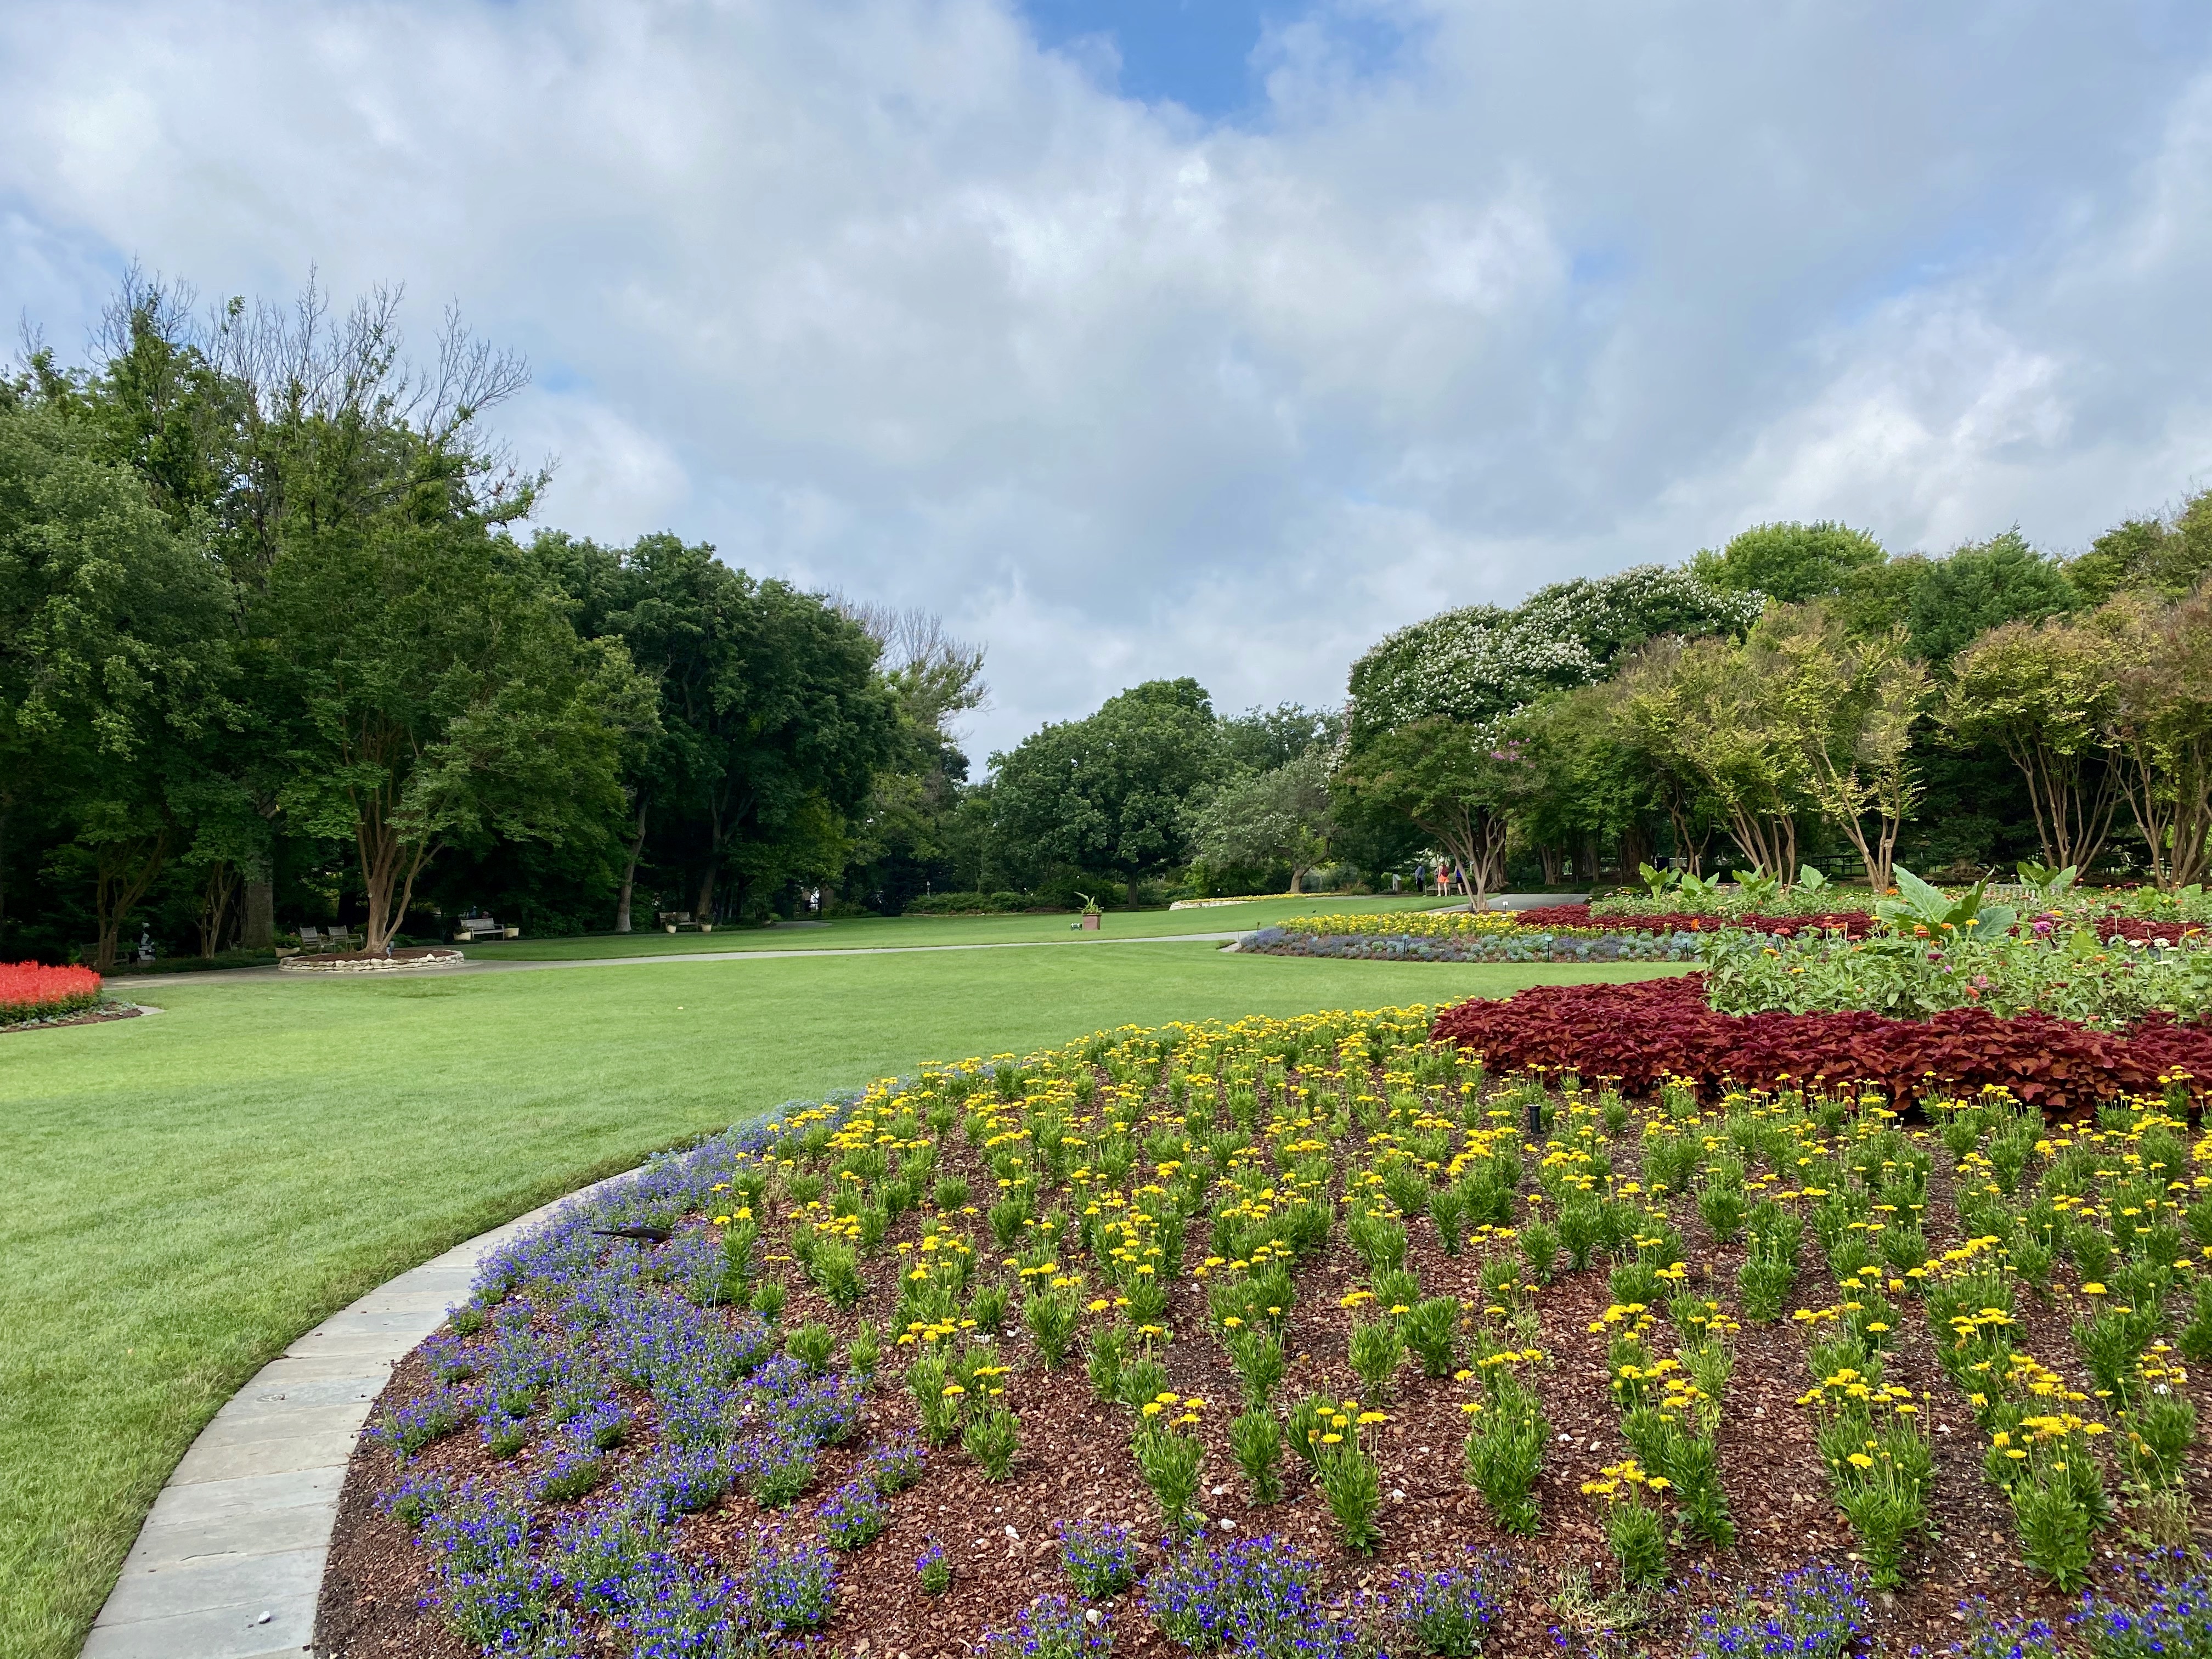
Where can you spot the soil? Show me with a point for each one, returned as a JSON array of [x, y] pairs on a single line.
[[89, 1016], [1075, 1464]]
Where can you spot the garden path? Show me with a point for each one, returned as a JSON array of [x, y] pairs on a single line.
[[230, 1562]]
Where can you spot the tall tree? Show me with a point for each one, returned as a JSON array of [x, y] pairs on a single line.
[[2045, 694], [1444, 776], [1981, 585], [1112, 791], [1281, 816], [111, 659], [2162, 728], [1791, 563]]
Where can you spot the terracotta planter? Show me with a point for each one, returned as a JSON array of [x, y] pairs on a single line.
[[1091, 923]]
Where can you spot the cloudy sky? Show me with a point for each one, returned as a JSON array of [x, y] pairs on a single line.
[[1211, 336]]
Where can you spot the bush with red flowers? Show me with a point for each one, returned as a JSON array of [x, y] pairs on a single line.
[[1647, 1032], [30, 991]]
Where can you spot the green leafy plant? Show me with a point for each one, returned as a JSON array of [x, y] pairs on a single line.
[[1432, 1330], [812, 1345], [1051, 1318], [1377, 1347], [1169, 1461], [1504, 1453], [991, 1437], [1256, 1441]]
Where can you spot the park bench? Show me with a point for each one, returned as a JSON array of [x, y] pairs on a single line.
[[327, 938], [674, 922], [469, 929]]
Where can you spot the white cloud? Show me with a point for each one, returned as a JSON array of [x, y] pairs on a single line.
[[877, 294]]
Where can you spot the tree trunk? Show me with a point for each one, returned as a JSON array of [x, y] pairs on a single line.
[[1298, 876], [257, 930], [119, 881], [1549, 855], [629, 872], [1131, 891], [215, 905], [702, 908]]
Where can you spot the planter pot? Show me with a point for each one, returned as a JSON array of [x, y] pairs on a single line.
[[1091, 923]]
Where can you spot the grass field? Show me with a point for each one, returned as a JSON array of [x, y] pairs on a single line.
[[190, 1192], [879, 933]]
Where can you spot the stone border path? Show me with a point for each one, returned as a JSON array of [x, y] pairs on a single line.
[[229, 1563]]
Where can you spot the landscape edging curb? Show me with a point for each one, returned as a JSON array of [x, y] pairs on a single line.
[[229, 1562]]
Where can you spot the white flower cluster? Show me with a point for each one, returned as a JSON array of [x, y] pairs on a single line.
[[1482, 664]]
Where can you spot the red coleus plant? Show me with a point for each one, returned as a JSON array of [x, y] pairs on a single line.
[[29, 990], [1856, 923], [1647, 1032]]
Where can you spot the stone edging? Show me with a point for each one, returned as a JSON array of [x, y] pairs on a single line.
[[432, 958], [229, 1563]]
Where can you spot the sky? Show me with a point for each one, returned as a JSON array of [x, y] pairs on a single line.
[[1150, 337]]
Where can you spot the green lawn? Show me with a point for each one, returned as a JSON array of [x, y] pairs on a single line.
[[865, 933], [189, 1192]]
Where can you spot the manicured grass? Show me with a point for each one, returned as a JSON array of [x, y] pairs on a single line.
[[187, 1193], [866, 932]]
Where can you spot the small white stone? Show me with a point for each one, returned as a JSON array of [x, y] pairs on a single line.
[[1092, 1616], [1227, 1525], [1011, 1533]]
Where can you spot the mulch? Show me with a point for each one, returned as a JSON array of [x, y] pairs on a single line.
[[1075, 1464], [89, 1016]]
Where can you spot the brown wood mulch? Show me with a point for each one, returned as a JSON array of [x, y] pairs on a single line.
[[89, 1016], [1075, 1464]]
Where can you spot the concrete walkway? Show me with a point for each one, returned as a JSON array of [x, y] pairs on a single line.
[[504, 965], [230, 1562]]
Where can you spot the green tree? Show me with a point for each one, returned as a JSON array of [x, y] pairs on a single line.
[[2166, 555], [111, 661], [1711, 709], [1980, 586], [2162, 728], [1852, 703], [1791, 563], [1283, 816], [1445, 776], [2045, 695], [1112, 791]]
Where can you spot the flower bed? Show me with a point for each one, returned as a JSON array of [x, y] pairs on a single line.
[[1291, 1336], [30, 992], [1855, 924], [1489, 944], [1644, 1034]]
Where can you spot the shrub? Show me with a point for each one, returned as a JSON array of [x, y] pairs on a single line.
[[852, 1515], [1506, 1453], [812, 1345], [934, 1571], [1100, 1557], [1819, 1612], [1170, 1463], [1431, 1331], [1261, 1597], [1050, 1628], [1050, 1316], [29, 991], [1647, 1032], [1448, 1611], [1256, 1441], [991, 1437], [1377, 1348]]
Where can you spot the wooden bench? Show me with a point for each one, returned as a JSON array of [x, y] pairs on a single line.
[[675, 921], [328, 939], [469, 929]]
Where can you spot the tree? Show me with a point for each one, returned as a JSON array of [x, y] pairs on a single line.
[[2164, 556], [1260, 740], [1791, 563], [1278, 817], [111, 661], [1579, 784], [1980, 586], [1443, 775], [1708, 710], [1853, 703], [2162, 728], [2045, 694], [1112, 791]]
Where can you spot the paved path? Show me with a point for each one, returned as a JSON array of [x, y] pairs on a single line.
[[230, 1562], [508, 965]]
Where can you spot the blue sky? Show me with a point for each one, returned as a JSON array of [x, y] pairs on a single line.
[[1208, 56], [1218, 337]]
